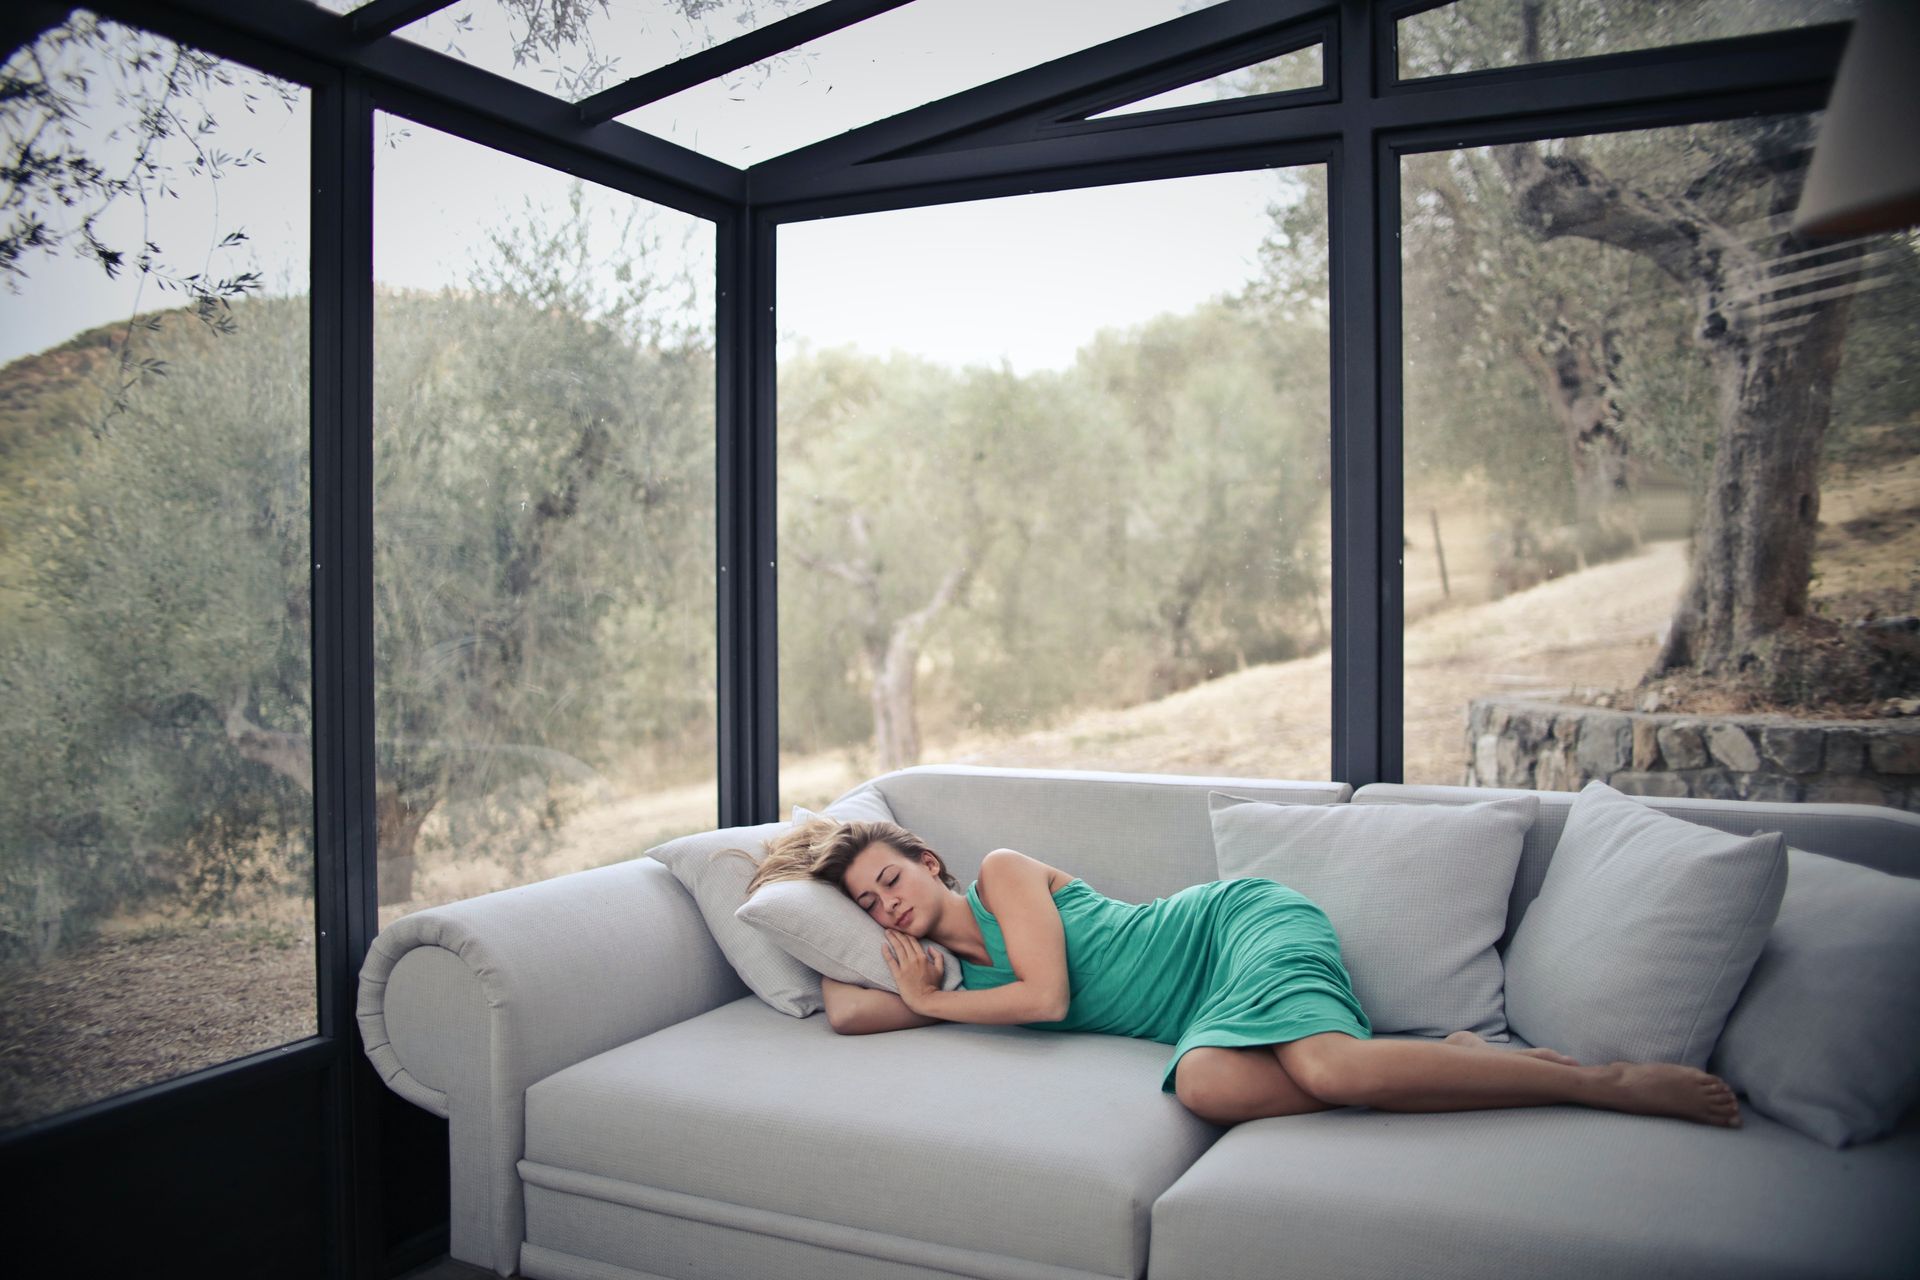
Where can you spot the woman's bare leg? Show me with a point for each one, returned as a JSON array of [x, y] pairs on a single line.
[[1469, 1040], [1226, 1086], [1407, 1075]]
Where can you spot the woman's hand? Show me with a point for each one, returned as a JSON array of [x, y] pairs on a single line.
[[916, 970]]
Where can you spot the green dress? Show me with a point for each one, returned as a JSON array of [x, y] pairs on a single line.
[[1230, 963]]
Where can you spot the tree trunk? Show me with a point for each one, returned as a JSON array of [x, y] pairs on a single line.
[[398, 816], [892, 645], [397, 822], [1574, 370], [1772, 341], [1752, 557]]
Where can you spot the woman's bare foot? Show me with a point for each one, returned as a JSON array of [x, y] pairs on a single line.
[[1469, 1040], [1668, 1089]]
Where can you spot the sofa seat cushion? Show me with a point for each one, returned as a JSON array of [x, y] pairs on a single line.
[[1555, 1190], [1060, 1142]]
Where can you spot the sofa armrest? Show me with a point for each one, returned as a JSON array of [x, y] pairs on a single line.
[[462, 1007]]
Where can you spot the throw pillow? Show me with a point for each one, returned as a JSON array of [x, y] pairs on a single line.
[[1826, 1036], [1416, 893], [818, 925], [717, 879], [1644, 932]]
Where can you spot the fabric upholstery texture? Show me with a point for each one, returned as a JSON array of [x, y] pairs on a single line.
[[1060, 1142], [1135, 837], [1557, 1191], [1643, 934], [1825, 1037], [818, 925], [1418, 895]]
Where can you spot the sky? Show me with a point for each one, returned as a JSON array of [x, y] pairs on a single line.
[[1023, 279]]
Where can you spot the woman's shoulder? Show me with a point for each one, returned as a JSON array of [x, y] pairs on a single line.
[[1002, 862]]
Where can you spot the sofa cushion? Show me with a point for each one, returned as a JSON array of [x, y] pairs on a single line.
[[1417, 894], [1536, 1191], [1826, 1036], [1041, 1146], [1643, 934], [714, 866], [818, 925]]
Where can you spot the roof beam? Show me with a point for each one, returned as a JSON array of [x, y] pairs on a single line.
[[1784, 71], [741, 51], [448, 94], [1034, 91], [384, 17]]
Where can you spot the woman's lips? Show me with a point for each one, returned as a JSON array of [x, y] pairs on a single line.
[[901, 923]]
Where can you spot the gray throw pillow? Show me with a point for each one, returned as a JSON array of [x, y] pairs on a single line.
[[818, 925], [717, 879], [1826, 1036], [1417, 894], [1644, 932], [711, 867]]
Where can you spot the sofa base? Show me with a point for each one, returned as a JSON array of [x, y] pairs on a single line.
[[551, 1264], [612, 1230]]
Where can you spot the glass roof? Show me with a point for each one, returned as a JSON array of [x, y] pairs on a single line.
[[890, 63], [573, 48], [1300, 69]]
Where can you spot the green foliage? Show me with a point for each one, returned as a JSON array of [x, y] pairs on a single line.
[[543, 584], [1150, 517]]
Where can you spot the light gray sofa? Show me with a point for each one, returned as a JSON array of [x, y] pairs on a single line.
[[621, 1106]]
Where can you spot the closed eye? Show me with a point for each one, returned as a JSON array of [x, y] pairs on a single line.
[[867, 902]]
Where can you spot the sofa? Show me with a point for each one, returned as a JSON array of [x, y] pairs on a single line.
[[621, 1106]]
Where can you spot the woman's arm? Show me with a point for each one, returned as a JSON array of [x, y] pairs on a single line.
[[859, 1011], [1036, 949]]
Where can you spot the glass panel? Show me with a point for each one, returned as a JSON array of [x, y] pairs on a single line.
[[1623, 374], [1474, 35], [573, 48], [904, 58], [1037, 511], [156, 849], [1300, 69], [543, 521]]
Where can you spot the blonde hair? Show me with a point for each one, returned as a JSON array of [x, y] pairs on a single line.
[[823, 849]]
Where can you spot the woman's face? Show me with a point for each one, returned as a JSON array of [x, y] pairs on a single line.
[[900, 892]]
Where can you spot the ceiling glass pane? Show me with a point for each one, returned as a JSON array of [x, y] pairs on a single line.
[[890, 63], [573, 48], [1300, 69], [1474, 35]]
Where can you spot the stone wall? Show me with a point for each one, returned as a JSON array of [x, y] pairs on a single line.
[[1558, 747]]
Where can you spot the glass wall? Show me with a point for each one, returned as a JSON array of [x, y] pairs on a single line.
[[1662, 458], [543, 521], [156, 850], [1053, 484], [1477, 35]]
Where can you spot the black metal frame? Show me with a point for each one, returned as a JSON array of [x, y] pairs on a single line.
[[1026, 132]]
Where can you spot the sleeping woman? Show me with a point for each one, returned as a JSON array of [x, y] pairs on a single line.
[[1242, 977]]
